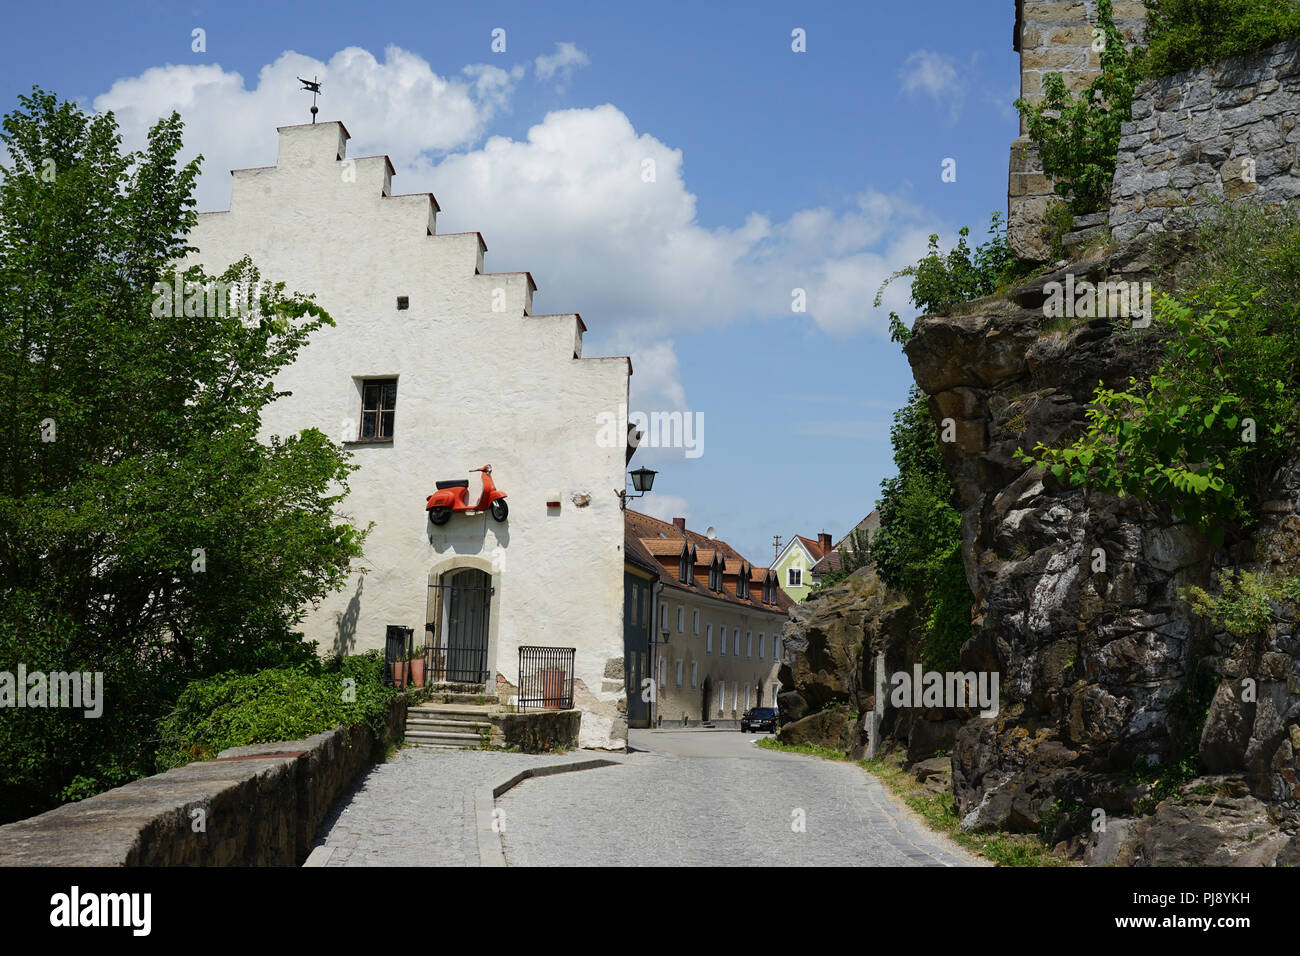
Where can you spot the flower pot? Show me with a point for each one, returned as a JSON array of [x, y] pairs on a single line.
[[552, 687], [398, 669], [417, 672]]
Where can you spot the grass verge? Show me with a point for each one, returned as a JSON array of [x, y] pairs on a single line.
[[938, 810]]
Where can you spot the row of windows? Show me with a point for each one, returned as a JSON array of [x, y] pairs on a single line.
[[722, 635], [739, 699]]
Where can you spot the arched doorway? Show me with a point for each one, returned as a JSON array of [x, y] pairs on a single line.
[[462, 601]]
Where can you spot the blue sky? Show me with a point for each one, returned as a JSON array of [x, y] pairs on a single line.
[[774, 170]]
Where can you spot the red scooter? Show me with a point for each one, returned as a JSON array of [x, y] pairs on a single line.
[[451, 496]]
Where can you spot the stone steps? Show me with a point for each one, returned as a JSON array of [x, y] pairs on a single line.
[[454, 740], [453, 725], [450, 726]]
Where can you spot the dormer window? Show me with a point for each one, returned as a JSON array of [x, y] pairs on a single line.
[[686, 565]]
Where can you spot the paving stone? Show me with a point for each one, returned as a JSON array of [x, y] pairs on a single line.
[[709, 798]]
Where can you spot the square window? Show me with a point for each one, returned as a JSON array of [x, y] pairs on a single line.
[[378, 404], [403, 303]]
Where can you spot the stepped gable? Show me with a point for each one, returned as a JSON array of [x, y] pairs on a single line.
[[310, 156]]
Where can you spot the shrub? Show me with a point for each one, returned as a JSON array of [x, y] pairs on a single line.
[[942, 281], [1185, 34], [1205, 430], [235, 710]]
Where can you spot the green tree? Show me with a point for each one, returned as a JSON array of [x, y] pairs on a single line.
[[145, 531], [917, 549]]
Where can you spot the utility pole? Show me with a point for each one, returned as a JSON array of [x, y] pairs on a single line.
[[776, 546]]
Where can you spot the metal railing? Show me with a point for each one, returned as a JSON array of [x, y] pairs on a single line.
[[545, 678]]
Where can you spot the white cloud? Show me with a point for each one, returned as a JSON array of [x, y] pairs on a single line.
[[663, 507], [562, 62], [569, 202], [935, 75], [399, 106]]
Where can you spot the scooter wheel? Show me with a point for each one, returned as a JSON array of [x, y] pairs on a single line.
[[500, 509], [439, 515]]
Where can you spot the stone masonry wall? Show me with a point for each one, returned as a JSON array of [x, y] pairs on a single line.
[[261, 806], [1231, 129], [1052, 36]]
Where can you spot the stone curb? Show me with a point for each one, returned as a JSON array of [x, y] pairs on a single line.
[[319, 856], [490, 850]]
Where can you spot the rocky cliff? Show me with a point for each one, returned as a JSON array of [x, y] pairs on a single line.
[[1108, 679], [1105, 670]]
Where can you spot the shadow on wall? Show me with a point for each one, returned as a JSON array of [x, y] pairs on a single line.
[[467, 535], [345, 635]]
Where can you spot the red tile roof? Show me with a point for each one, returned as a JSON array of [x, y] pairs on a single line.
[[814, 547], [832, 561], [648, 539]]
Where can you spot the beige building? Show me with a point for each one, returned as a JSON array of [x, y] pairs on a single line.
[[711, 623]]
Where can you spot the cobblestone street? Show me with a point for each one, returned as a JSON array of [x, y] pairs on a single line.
[[417, 809], [680, 798], [702, 798]]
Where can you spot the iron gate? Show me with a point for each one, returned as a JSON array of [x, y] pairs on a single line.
[[545, 678], [460, 640]]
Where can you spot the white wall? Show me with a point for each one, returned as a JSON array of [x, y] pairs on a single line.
[[475, 386]]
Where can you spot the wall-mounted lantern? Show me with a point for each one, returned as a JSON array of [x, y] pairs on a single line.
[[643, 480]]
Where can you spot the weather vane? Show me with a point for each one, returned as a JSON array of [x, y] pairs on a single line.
[[312, 86]]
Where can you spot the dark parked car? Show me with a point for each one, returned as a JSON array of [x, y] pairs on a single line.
[[758, 718]]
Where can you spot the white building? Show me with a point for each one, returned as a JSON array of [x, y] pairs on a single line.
[[456, 372]]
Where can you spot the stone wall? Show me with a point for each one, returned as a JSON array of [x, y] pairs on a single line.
[[257, 806], [541, 731], [1231, 129], [1052, 36]]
